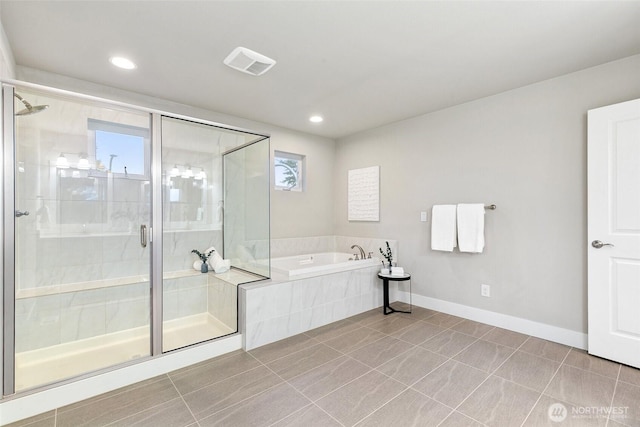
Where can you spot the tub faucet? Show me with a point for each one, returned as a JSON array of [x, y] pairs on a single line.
[[362, 254]]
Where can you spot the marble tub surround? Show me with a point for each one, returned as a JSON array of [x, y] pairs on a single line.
[[317, 244], [283, 307]]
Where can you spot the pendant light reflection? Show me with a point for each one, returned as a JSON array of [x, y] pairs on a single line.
[[83, 163], [62, 162], [188, 173]]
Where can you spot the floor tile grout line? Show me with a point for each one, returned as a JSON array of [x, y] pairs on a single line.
[[234, 404], [217, 381], [116, 392], [543, 357], [303, 408], [445, 418], [254, 395], [184, 401], [331, 416], [383, 404], [339, 335], [592, 371], [205, 362], [350, 356], [422, 377], [342, 386], [485, 380], [348, 323], [312, 402], [138, 412], [286, 355], [613, 396], [362, 346], [546, 387], [464, 415], [424, 341]]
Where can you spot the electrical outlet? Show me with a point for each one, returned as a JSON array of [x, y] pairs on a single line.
[[485, 290], [423, 216]]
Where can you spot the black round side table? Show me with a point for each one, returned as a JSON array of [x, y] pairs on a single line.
[[386, 308]]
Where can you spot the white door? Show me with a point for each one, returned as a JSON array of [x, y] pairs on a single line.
[[614, 232]]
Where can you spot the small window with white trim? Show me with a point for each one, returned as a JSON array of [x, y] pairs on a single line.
[[288, 170]]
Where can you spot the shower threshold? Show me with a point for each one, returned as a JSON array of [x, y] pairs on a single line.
[[58, 362]]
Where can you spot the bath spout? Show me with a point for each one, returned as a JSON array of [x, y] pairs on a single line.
[[362, 253]]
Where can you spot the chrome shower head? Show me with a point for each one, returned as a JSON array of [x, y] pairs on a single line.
[[30, 109]]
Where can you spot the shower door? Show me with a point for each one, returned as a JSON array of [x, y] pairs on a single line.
[[79, 279]]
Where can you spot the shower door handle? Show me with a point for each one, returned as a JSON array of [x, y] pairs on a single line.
[[143, 236]]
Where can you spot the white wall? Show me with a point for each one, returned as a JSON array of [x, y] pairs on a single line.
[[310, 212], [293, 214], [7, 63], [525, 151]]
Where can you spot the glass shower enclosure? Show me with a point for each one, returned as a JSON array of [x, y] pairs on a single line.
[[103, 206]]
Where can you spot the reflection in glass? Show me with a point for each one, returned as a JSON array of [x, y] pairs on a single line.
[[81, 277], [246, 208], [196, 306]]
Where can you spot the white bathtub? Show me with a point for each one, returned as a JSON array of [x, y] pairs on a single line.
[[320, 263]]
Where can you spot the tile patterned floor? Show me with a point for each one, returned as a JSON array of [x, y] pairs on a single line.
[[420, 369]]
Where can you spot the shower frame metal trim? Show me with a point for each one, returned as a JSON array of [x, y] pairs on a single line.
[[156, 234], [8, 259]]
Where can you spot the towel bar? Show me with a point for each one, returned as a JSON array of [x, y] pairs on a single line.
[[492, 207]]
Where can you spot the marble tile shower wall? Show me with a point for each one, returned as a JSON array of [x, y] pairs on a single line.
[[85, 314], [50, 320], [223, 301], [86, 258], [312, 245], [178, 245], [89, 313], [184, 296]]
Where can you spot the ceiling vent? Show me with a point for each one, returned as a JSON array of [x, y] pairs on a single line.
[[248, 61]]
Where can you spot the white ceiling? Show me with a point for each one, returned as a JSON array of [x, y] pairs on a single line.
[[359, 64]]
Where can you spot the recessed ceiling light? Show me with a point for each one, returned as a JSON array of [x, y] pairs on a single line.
[[123, 63], [316, 119]]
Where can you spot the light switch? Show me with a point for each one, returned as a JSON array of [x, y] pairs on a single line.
[[423, 216]]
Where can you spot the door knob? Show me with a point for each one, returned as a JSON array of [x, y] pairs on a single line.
[[21, 213], [598, 244]]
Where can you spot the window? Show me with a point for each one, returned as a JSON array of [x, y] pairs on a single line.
[[288, 170], [121, 149]]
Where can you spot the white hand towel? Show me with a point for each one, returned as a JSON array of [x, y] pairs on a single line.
[[222, 266], [397, 271], [218, 264], [471, 227], [443, 228]]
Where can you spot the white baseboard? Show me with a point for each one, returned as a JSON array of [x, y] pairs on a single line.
[[14, 409], [512, 323]]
